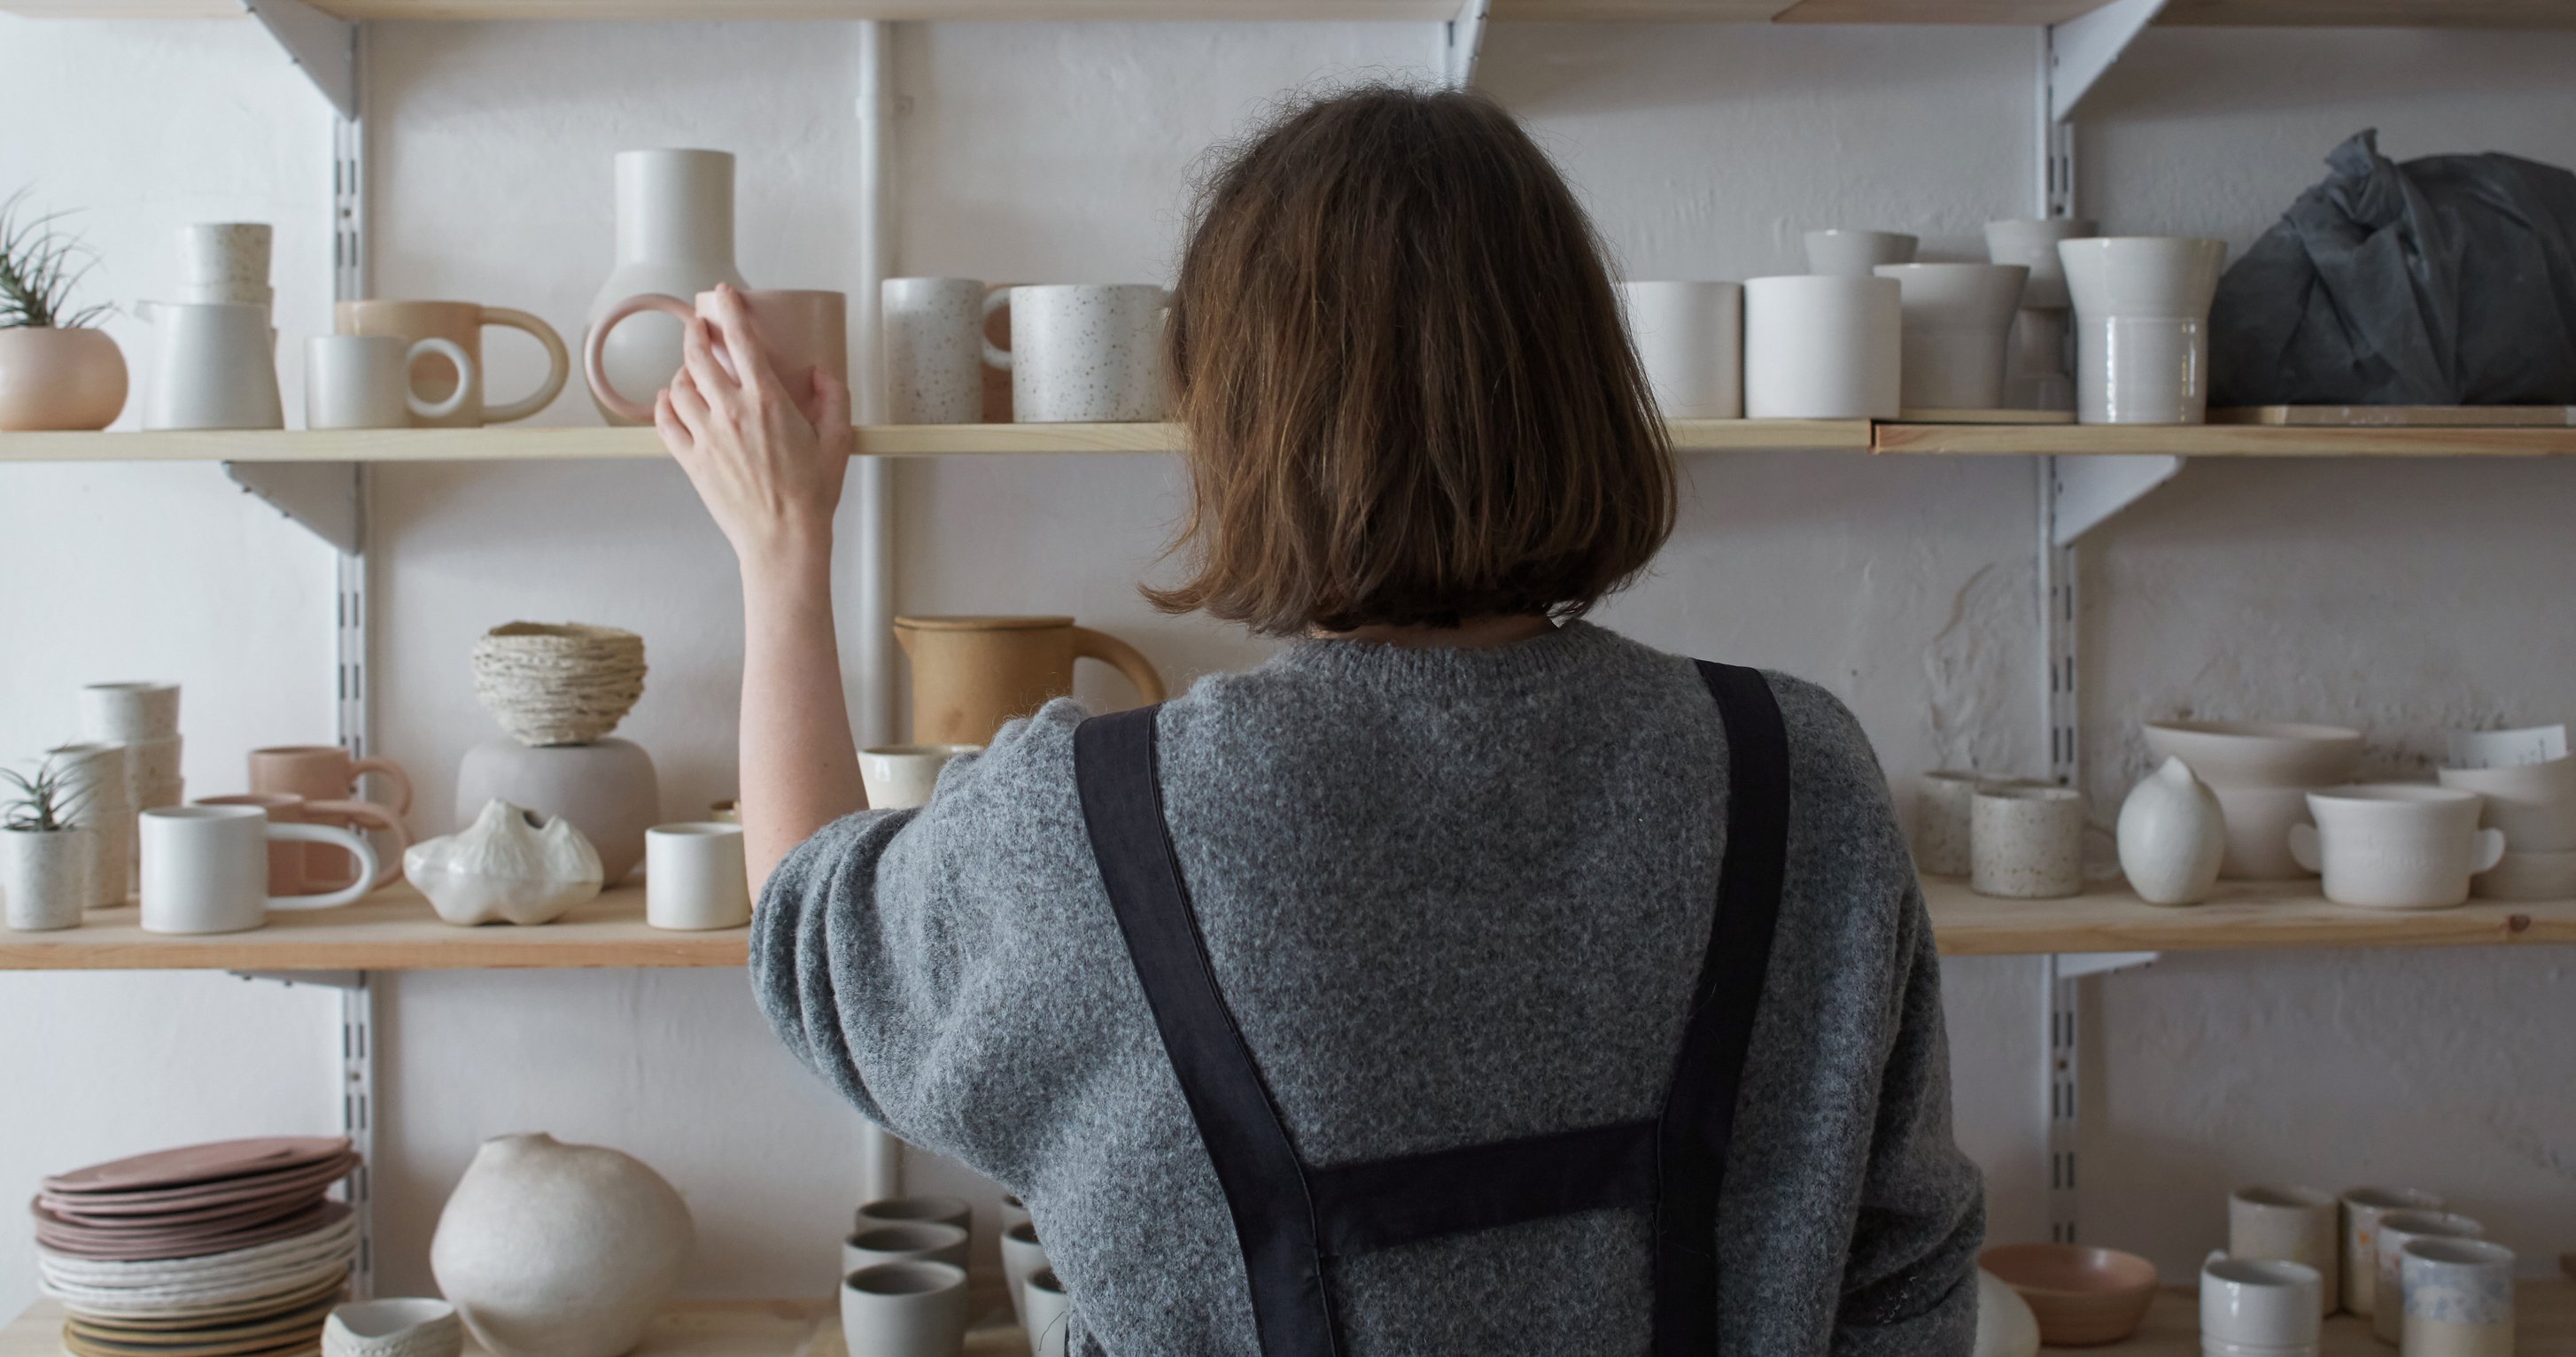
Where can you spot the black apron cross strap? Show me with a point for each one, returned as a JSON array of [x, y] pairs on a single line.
[[1289, 1216]]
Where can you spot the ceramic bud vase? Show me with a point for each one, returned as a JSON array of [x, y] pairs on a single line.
[[2172, 836], [674, 236], [44, 877], [555, 1250]]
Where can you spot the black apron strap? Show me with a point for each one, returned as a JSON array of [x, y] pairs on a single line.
[[1699, 1113], [1265, 1185]]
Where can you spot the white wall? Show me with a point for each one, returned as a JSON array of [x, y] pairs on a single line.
[[2403, 596]]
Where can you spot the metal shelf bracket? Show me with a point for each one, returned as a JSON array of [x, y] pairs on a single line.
[[1464, 41], [2060, 977], [322, 497], [326, 48], [2089, 490], [2083, 49]]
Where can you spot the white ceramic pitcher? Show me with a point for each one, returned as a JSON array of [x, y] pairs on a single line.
[[214, 366]]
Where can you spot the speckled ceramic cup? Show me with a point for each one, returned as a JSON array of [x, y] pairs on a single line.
[[1942, 803], [2362, 1208], [2026, 843], [2291, 1225], [934, 356], [2397, 1229], [227, 252], [1085, 353], [2458, 1298]]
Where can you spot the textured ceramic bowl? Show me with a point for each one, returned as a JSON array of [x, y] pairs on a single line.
[[2081, 1295], [2396, 845], [394, 1328]]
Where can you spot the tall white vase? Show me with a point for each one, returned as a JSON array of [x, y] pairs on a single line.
[[555, 1250], [675, 237]]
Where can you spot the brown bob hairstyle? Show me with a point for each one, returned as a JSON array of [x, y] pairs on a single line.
[[1407, 390]]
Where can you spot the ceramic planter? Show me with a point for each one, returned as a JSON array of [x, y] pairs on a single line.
[[214, 366], [914, 1309], [2026, 843], [1689, 337], [675, 237], [554, 1250], [45, 877], [2172, 836], [1822, 348], [59, 379]]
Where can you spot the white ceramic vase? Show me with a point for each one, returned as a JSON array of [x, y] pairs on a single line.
[[1956, 318], [44, 877], [554, 1250], [2172, 836], [675, 237], [606, 788], [1819, 347], [2142, 326]]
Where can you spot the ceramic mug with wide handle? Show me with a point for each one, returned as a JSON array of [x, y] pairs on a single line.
[[1085, 353], [205, 868], [286, 859], [435, 378], [803, 329]]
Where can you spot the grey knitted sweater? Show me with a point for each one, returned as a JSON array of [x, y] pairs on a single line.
[[1452, 896]]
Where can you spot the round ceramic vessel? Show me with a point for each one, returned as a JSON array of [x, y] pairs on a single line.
[[1086, 353], [2534, 804], [410, 1327], [2289, 1225], [2141, 326], [1690, 339], [934, 349], [60, 379], [2458, 1295], [1823, 348], [914, 1309], [2260, 770], [2081, 1295], [554, 1250], [2397, 1229], [2026, 843], [2172, 836]]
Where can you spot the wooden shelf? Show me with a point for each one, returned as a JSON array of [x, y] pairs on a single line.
[[2220, 440], [716, 1328], [2544, 1323], [2242, 917]]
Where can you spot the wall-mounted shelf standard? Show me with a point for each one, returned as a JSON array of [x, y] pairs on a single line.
[[2241, 917]]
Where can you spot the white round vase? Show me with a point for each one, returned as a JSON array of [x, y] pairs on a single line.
[[2173, 835], [675, 237], [606, 788], [554, 1250]]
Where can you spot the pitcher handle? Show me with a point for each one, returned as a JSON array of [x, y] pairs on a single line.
[[558, 364], [1100, 645], [594, 349], [379, 817], [995, 356], [394, 772], [337, 838]]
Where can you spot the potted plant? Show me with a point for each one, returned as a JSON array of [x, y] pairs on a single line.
[[44, 855], [57, 371]]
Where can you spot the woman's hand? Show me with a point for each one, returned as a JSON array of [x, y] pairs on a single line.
[[767, 453]]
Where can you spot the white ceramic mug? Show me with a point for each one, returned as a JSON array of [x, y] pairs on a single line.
[[1022, 1255], [2264, 1303], [227, 252], [205, 868], [695, 877], [2362, 1208], [2397, 1229], [2395, 845], [1689, 338], [2458, 1298], [121, 713], [914, 1309], [2290, 1225], [2142, 326], [1955, 321], [934, 349], [909, 1241], [901, 776], [1085, 353], [2025, 842], [1046, 1312], [1822, 348], [1852, 254], [214, 366], [364, 381]]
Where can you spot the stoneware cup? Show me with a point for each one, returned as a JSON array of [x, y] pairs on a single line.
[[1822, 348], [2026, 843], [214, 366], [914, 1309], [2141, 326], [1956, 320], [364, 381], [2032, 243], [1022, 1255], [920, 1240], [1047, 1311], [409, 1327], [2362, 1208], [2396, 845], [1690, 339], [803, 330], [2533, 803], [2265, 1304], [695, 877], [286, 860], [2291, 1225], [2458, 1297], [2397, 1229], [326, 773], [44, 877], [435, 378], [912, 1210], [122, 713], [1085, 353], [1014, 1211], [933, 332], [1943, 802], [98, 782], [901, 776], [1852, 254], [227, 252], [205, 868]]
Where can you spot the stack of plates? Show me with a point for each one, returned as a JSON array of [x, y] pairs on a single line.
[[222, 1250]]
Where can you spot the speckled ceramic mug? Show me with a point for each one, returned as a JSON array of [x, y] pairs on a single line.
[[1085, 353], [2026, 843], [934, 360], [2458, 1298]]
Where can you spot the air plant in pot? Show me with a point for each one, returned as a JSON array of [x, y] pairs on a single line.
[[57, 369], [44, 852]]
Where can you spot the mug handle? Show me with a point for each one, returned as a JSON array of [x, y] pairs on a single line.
[[377, 817], [454, 353], [594, 349], [995, 356], [1100, 645], [338, 838], [558, 364], [2491, 848], [392, 770], [2304, 850]]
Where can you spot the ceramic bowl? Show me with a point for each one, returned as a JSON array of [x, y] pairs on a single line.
[[2528, 876], [2081, 1295], [2258, 753], [2396, 845], [418, 1327], [2534, 803]]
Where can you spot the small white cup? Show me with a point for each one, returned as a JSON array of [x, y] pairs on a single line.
[[2362, 1208], [914, 1309], [1852, 254], [695, 877], [122, 713], [2026, 843], [2458, 1298], [934, 349], [902, 776], [1689, 338], [2264, 1303], [909, 1241], [2397, 1229], [2291, 1225], [364, 381], [1823, 347], [1046, 1311], [914, 1210], [205, 868], [1022, 1256]]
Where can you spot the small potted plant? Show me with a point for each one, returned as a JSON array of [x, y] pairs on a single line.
[[44, 854], [57, 370]]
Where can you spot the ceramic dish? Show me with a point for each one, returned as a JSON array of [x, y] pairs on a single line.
[[199, 1164], [2081, 1295]]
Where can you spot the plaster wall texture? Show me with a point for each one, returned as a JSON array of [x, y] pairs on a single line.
[[1029, 152]]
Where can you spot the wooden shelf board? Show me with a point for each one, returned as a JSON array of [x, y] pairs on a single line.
[[707, 1328], [2511, 14], [2544, 1322], [2219, 440], [391, 930], [2400, 416], [2241, 917]]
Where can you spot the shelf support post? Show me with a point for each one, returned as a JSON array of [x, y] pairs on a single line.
[[356, 1087], [1463, 41], [2061, 977]]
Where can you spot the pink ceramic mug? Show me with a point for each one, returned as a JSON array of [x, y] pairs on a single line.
[[286, 857], [324, 775], [802, 329]]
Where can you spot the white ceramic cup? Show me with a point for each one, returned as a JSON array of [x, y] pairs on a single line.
[[2032, 243], [2026, 843], [902, 776], [1014, 1211], [364, 381], [2290, 1225], [411, 1327], [205, 868], [1046, 1313], [2395, 845], [2533, 803], [1943, 802], [214, 366], [1852, 254], [934, 349], [2458, 1298], [913, 1210], [1822, 348], [2362, 1208], [227, 252], [695, 877], [2397, 1229], [1955, 321], [915, 1309], [2142, 326], [2220, 1347], [122, 713], [1689, 338], [2264, 1303], [1022, 1255], [923, 1240], [1087, 353]]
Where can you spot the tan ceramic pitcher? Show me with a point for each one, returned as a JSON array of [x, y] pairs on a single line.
[[971, 674]]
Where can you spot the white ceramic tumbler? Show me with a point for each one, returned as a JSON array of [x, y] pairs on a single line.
[[1689, 338], [2458, 1297], [2026, 842], [1822, 348], [2292, 1225], [205, 868], [2397, 1229], [1022, 1255], [1956, 321], [2142, 326], [2362, 1208], [1048, 1313], [901, 776], [214, 366], [1943, 804], [904, 1310], [2266, 1304], [1852, 254], [934, 349], [121, 713], [695, 877], [364, 381]]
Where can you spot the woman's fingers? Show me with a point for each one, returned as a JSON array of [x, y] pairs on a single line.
[[698, 360], [751, 365], [831, 409], [677, 439], [687, 404]]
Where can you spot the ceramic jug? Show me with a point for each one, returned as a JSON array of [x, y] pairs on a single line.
[[674, 236], [555, 1250], [2172, 836], [971, 674], [214, 367]]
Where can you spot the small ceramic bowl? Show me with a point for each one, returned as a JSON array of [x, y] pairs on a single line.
[[417, 1327], [2081, 1295]]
